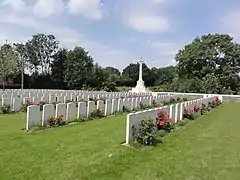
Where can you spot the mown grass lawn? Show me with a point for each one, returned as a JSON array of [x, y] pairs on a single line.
[[208, 148]]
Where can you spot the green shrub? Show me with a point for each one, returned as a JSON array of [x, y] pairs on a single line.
[[190, 114], [98, 113], [41, 105], [5, 109], [145, 134], [24, 106], [172, 100], [142, 106], [125, 109]]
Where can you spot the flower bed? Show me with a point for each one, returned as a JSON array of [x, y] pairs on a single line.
[[196, 110], [150, 131]]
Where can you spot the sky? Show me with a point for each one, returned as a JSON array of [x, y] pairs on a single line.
[[119, 32]]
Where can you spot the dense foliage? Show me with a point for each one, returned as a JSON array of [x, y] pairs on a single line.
[[210, 64]]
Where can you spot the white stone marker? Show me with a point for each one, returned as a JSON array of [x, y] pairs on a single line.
[[71, 112], [6, 96], [82, 107], [176, 113], [6, 102], [61, 110], [73, 97], [36, 100], [108, 107], [181, 111], [90, 108], [45, 99], [150, 101], [171, 111], [60, 99], [100, 105], [120, 105], [133, 101], [33, 116], [48, 112], [17, 104], [114, 106]]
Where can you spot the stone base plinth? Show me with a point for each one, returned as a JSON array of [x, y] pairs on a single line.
[[140, 88]]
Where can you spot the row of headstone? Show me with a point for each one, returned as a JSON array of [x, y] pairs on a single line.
[[174, 111], [40, 93], [69, 111], [8, 100]]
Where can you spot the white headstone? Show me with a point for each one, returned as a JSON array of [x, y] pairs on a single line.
[[114, 106], [81, 109], [108, 107], [33, 116], [6, 102], [90, 108], [100, 105], [71, 112], [45, 99], [120, 105], [60, 99], [48, 112], [17, 104], [61, 110], [36, 100]]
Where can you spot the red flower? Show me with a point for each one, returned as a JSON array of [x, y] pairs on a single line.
[[161, 112], [165, 118], [196, 107], [162, 123]]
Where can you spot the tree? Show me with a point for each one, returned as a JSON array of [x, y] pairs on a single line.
[[20, 50], [163, 75], [132, 72], [58, 68], [8, 62], [112, 71], [98, 77], [214, 57], [109, 86], [79, 68], [39, 51]]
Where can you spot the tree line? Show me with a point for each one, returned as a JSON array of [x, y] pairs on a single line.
[[209, 64]]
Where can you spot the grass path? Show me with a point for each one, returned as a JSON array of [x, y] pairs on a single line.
[[208, 148]]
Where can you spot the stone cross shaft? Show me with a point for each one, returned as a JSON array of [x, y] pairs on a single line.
[[140, 69]]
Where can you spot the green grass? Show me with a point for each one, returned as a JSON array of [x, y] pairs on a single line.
[[207, 148]]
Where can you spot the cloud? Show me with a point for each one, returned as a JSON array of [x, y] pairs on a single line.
[[144, 16], [166, 47], [148, 23], [44, 8], [166, 52], [230, 24], [91, 9], [18, 20], [38, 17], [17, 5], [20, 27]]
